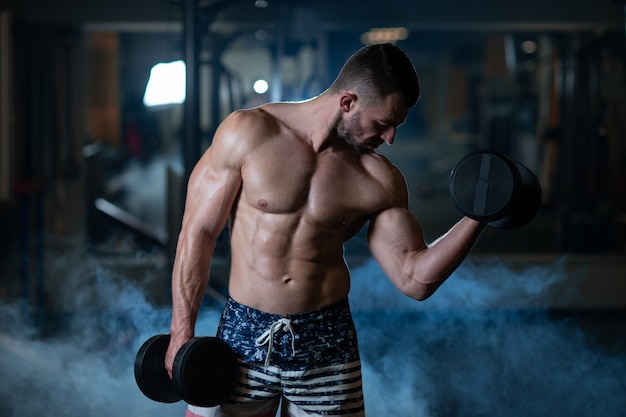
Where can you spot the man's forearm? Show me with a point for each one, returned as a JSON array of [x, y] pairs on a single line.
[[452, 248], [190, 277]]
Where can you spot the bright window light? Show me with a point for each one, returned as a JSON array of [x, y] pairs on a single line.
[[260, 86], [166, 85]]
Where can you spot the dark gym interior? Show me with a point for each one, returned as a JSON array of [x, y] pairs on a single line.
[[92, 186]]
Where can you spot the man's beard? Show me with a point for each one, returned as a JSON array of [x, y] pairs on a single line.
[[352, 128]]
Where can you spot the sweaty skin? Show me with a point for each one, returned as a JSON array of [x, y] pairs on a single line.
[[296, 181]]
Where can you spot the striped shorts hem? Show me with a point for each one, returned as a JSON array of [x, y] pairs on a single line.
[[334, 390]]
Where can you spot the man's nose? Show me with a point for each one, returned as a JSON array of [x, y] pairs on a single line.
[[389, 135]]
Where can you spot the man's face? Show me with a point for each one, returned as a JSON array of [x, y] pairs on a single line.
[[366, 127], [352, 132]]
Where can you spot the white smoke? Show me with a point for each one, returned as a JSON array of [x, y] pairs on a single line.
[[483, 345]]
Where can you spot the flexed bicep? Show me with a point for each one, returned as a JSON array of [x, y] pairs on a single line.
[[416, 268], [396, 240]]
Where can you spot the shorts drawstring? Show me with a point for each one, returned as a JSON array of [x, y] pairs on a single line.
[[267, 338]]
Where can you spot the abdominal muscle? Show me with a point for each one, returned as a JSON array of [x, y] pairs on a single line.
[[281, 265]]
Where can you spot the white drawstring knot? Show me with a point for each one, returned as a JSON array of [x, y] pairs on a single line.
[[267, 338]]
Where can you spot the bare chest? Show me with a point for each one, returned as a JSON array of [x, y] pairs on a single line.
[[326, 189]]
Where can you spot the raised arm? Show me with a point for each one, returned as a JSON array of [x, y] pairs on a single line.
[[417, 269], [212, 189]]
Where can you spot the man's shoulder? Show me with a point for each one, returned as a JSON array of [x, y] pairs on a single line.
[[381, 167], [244, 130], [387, 175], [252, 120]]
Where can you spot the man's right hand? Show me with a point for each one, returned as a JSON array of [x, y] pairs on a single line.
[[172, 350]]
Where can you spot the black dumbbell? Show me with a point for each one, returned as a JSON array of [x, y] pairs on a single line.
[[488, 186], [204, 373]]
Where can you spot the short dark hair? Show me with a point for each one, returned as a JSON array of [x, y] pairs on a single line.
[[380, 70]]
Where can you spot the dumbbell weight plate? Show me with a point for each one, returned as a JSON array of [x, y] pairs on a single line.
[[150, 373], [528, 203], [484, 185], [205, 371]]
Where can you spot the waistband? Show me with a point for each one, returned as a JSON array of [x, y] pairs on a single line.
[[331, 312]]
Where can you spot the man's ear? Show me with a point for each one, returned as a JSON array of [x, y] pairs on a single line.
[[347, 101]]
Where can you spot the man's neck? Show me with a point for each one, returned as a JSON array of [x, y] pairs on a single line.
[[320, 118]]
